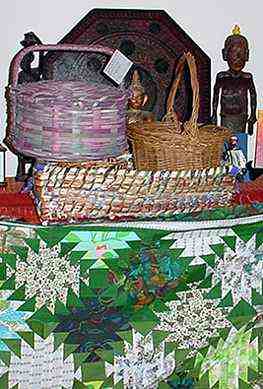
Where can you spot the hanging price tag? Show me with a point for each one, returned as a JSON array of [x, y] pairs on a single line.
[[117, 67]]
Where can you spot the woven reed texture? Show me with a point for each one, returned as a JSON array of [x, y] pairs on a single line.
[[66, 120], [124, 161], [172, 145], [77, 194]]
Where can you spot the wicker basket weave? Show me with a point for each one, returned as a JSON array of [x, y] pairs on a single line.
[[66, 120], [74, 194], [171, 145]]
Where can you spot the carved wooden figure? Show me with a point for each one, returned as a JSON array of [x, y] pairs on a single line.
[[234, 86], [137, 101]]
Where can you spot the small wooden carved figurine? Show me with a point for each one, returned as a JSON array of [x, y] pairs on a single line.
[[137, 101], [234, 85], [28, 74]]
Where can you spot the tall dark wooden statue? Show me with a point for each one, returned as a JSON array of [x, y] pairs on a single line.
[[235, 85], [28, 74]]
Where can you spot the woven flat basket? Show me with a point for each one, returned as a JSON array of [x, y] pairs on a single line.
[[66, 120], [172, 145], [73, 194]]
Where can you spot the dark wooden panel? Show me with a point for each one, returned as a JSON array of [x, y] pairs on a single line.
[[152, 40]]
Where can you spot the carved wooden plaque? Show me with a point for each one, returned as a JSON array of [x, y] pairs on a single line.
[[152, 40]]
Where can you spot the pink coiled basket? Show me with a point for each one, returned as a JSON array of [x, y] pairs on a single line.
[[65, 120]]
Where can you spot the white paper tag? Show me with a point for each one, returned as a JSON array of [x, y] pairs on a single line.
[[117, 67]]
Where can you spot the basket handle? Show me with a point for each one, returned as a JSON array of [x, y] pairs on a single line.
[[15, 64], [190, 127]]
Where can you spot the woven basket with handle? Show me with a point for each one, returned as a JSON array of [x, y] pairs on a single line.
[[172, 145], [65, 120]]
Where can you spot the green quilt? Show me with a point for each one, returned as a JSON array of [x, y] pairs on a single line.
[[114, 307]]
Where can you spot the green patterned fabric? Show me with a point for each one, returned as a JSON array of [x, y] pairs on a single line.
[[114, 307]]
